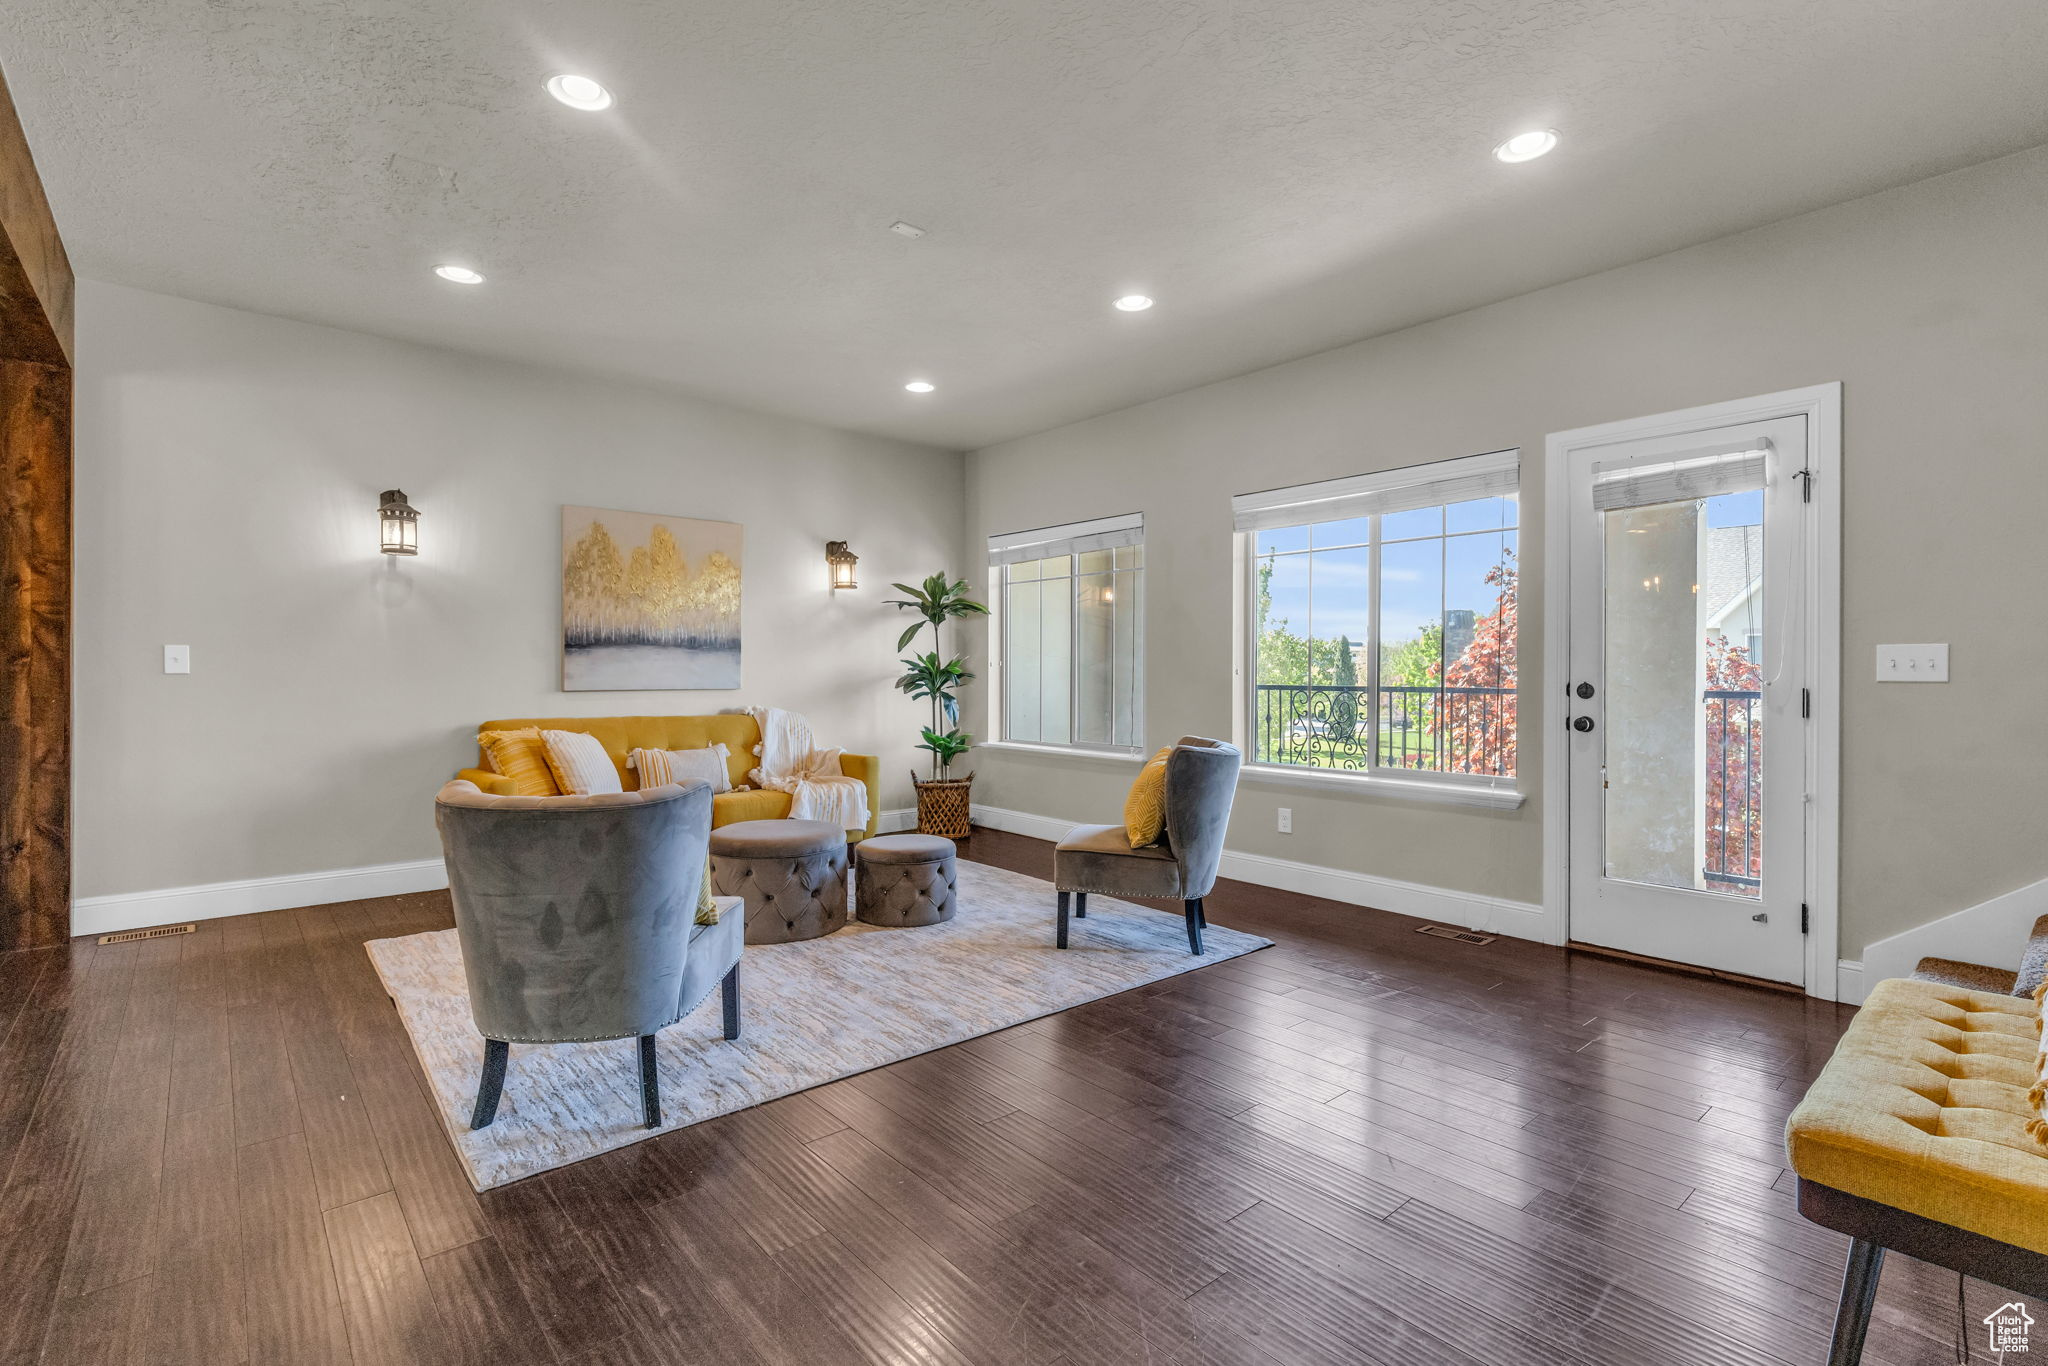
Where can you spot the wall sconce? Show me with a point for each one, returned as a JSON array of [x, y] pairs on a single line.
[[842, 562], [400, 522]]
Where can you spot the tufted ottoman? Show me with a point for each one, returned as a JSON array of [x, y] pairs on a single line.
[[791, 874], [1914, 1138], [905, 880]]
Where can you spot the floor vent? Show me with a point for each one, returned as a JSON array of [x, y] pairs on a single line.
[[1462, 936], [130, 936]]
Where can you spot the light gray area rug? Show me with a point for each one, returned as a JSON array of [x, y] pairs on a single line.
[[812, 1013]]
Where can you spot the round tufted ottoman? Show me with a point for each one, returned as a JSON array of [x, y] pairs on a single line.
[[904, 880], [791, 874]]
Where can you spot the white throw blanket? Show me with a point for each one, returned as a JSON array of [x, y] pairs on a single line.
[[791, 762]]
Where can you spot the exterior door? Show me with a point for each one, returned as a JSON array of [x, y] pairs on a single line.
[[1687, 687]]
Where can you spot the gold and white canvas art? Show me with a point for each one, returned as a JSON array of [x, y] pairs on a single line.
[[648, 601]]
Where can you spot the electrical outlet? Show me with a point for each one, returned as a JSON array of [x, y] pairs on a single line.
[[1912, 663], [1286, 820], [177, 659]]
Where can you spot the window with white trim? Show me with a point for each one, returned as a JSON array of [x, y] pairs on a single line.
[[1069, 648], [1382, 621]]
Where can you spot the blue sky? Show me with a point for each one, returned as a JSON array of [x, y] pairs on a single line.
[[1421, 577]]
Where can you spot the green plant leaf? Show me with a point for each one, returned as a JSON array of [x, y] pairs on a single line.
[[909, 634]]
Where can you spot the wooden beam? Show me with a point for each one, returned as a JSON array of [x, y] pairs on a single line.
[[35, 554], [35, 274]]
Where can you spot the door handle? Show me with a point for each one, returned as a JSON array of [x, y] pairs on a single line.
[[1584, 690], [1582, 724]]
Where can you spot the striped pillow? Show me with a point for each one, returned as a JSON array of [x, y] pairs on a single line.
[[522, 756], [658, 767], [707, 909], [579, 763]]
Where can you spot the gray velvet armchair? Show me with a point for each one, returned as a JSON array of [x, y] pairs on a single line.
[[1201, 782], [578, 921]]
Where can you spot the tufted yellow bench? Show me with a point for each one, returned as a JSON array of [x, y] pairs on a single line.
[[1914, 1138]]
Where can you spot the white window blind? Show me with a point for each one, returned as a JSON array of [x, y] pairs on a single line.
[[1073, 538], [1417, 486], [1679, 479]]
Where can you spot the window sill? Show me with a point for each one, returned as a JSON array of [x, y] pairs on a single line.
[[1114, 756], [1405, 789]]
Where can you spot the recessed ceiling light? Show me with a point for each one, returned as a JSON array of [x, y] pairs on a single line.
[[920, 386], [579, 92], [1134, 303], [461, 275], [1527, 146]]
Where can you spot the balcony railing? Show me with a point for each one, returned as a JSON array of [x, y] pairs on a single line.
[[1734, 816], [1449, 730]]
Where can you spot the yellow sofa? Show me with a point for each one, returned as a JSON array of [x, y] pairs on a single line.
[[738, 732]]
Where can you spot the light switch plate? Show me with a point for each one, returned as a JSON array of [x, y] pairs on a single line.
[[1912, 663], [177, 659]]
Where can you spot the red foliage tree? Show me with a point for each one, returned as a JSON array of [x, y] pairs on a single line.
[[1735, 765], [1477, 730]]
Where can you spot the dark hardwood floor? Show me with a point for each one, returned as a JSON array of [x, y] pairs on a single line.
[[1360, 1146]]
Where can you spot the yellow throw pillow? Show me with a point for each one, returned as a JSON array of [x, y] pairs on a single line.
[[522, 756], [707, 909], [579, 763], [1145, 808]]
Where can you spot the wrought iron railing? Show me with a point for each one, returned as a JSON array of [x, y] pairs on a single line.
[[1450, 730], [1734, 816]]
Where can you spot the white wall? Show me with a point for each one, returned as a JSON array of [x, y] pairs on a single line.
[[1929, 302], [228, 472]]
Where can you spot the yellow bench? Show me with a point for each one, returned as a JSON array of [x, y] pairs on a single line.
[[737, 731], [1914, 1139]]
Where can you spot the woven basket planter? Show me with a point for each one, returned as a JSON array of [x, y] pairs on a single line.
[[942, 805]]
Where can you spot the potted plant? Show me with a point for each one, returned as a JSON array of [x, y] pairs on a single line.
[[942, 801]]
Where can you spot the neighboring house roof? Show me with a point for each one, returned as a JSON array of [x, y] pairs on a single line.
[[1731, 569]]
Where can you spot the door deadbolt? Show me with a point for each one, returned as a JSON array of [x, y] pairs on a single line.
[[1584, 690], [1583, 723]]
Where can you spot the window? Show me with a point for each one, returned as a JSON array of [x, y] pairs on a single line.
[[1382, 612], [1069, 656]]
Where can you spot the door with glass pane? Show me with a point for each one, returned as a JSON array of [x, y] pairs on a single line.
[[1687, 755]]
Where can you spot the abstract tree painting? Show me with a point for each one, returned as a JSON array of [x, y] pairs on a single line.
[[648, 601]]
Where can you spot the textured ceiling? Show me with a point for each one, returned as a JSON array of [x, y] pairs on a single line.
[[1284, 175]]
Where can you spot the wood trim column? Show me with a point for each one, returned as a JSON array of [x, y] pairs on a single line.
[[35, 554]]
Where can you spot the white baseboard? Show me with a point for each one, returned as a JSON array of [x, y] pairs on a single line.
[[174, 905], [1021, 822], [1992, 932], [1469, 910], [1849, 982]]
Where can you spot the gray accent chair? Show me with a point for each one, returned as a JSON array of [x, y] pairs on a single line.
[[578, 921], [1201, 782]]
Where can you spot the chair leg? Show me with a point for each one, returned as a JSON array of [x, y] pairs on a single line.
[[1065, 897], [1202, 913], [1195, 922], [730, 991], [1859, 1291], [1080, 905], [496, 1052], [650, 1083]]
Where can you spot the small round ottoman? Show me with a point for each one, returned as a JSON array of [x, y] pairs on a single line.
[[791, 874], [904, 880]]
